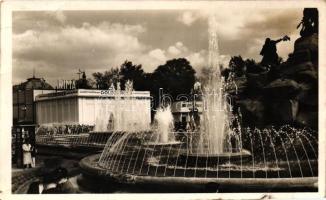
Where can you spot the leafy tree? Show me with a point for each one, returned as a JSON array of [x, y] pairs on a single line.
[[83, 83], [100, 81], [176, 77], [225, 73], [91, 83], [135, 73], [252, 66], [237, 65], [104, 80]]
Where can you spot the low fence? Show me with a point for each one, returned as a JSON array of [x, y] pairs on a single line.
[[78, 140]]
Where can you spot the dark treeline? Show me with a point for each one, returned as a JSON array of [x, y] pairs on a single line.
[[176, 76]]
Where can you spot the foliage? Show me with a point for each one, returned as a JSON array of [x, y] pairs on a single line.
[[83, 83], [240, 67], [135, 73], [176, 76], [253, 67], [104, 80], [225, 73], [237, 65]]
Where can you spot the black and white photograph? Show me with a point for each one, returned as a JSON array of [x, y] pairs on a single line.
[[165, 100]]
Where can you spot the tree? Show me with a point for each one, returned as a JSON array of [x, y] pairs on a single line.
[[83, 83], [104, 80], [225, 73], [135, 73], [91, 83], [252, 66], [176, 77], [237, 65]]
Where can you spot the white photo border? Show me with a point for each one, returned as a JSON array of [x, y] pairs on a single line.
[[7, 9]]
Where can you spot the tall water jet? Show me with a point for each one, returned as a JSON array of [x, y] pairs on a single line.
[[214, 124], [118, 113], [164, 125]]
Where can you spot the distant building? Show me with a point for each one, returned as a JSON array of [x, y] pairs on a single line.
[[23, 99], [182, 111], [24, 117], [128, 111]]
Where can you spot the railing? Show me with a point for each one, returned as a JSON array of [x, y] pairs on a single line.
[[76, 140]]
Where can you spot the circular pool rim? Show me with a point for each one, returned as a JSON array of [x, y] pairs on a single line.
[[90, 168]]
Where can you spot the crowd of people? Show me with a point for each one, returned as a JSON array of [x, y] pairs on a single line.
[[64, 129], [55, 182]]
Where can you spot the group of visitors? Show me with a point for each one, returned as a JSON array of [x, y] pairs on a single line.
[[64, 129], [55, 182]]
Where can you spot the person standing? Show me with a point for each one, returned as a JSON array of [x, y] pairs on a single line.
[[27, 157]]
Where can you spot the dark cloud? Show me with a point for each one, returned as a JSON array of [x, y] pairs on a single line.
[[275, 22], [56, 44]]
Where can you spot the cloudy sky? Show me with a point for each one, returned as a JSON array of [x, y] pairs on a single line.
[[57, 44]]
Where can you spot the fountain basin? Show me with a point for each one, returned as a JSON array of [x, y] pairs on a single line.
[[92, 171], [201, 159], [160, 144]]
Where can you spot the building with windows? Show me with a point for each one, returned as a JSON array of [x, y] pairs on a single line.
[[24, 115], [23, 99], [182, 112], [36, 103], [128, 111]]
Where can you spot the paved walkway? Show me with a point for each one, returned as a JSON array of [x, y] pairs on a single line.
[[21, 178]]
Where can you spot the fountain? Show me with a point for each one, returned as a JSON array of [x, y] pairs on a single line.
[[214, 139], [215, 114], [163, 129], [214, 156], [164, 121], [118, 117]]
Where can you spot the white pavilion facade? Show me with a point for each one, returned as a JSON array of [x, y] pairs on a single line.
[[127, 110]]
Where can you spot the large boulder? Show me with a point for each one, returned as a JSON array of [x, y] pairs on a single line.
[[305, 49], [300, 56], [252, 111], [283, 111], [308, 118], [308, 97], [291, 70], [307, 76], [304, 43], [257, 80], [240, 83], [282, 89]]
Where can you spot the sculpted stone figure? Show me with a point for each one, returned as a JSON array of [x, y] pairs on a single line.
[[309, 22], [269, 51]]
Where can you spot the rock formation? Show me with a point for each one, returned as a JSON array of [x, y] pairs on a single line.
[[288, 93]]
